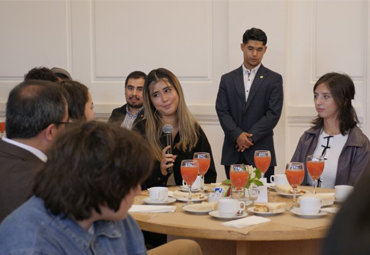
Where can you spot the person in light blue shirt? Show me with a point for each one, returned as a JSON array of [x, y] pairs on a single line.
[[82, 196]]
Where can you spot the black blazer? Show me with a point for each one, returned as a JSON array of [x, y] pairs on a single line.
[[17, 169], [119, 114], [258, 116]]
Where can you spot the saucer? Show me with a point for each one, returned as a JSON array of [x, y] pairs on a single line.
[[217, 215], [168, 201], [298, 212], [251, 209], [186, 209]]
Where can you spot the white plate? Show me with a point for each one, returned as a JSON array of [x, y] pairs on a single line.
[[186, 189], [169, 200], [291, 194], [185, 199], [186, 209], [217, 215], [251, 209], [298, 212]]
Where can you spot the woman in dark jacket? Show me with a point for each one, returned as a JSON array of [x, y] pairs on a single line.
[[335, 134]]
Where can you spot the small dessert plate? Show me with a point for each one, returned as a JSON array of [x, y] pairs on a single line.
[[186, 189], [186, 209], [291, 194], [168, 201], [185, 199]]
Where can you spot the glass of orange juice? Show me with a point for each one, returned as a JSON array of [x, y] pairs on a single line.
[[239, 178], [262, 160], [295, 174], [204, 160], [315, 167], [189, 172], [2, 127]]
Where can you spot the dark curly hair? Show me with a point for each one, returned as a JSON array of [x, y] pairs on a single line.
[[92, 164]]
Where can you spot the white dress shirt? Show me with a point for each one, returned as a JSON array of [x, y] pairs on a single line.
[[31, 149], [248, 79]]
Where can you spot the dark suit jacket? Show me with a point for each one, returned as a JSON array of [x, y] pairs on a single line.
[[17, 169], [258, 116], [119, 114]]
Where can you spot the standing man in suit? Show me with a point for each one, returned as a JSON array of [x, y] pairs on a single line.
[[249, 104], [36, 111], [132, 112]]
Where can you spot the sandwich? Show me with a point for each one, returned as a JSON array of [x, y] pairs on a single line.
[[183, 195], [287, 189], [204, 206], [269, 207]]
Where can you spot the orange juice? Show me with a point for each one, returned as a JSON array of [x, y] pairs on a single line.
[[203, 165], [262, 163], [315, 168], [294, 177], [2, 127], [239, 178], [189, 174]]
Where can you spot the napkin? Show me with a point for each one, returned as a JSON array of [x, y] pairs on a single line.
[[152, 208], [246, 222]]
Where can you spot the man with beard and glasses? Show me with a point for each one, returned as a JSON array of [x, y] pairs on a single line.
[[132, 112]]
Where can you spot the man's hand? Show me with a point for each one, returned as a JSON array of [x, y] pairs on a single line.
[[243, 142]]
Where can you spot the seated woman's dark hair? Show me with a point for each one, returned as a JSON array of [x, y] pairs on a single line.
[[92, 164], [342, 90]]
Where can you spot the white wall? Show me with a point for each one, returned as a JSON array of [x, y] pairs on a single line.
[[101, 41]]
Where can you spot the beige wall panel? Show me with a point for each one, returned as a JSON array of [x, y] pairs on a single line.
[[33, 33], [176, 35]]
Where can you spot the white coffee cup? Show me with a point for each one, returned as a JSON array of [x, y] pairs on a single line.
[[310, 205], [158, 194], [230, 207], [342, 192], [196, 185], [279, 179]]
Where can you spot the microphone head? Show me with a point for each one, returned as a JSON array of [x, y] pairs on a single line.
[[167, 129]]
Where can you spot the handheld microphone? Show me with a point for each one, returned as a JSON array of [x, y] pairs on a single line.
[[167, 130]]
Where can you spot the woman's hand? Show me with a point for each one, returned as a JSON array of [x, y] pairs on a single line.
[[165, 159]]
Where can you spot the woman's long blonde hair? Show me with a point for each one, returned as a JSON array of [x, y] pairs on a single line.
[[153, 127]]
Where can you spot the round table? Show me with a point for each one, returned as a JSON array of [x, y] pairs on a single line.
[[284, 234]]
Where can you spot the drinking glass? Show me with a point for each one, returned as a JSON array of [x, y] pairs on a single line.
[[239, 178], [2, 127], [204, 160], [315, 167], [295, 174], [262, 160], [189, 172]]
